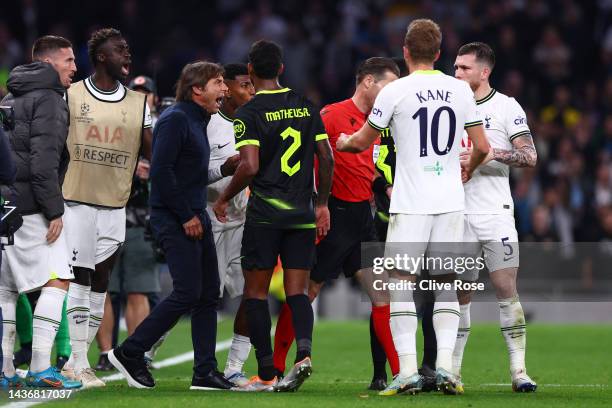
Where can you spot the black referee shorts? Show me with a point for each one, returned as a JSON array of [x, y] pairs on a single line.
[[261, 247], [340, 250]]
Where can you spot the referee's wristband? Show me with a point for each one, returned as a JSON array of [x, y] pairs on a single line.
[[379, 185]]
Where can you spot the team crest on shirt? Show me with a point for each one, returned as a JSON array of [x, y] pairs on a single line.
[[239, 128], [124, 116], [487, 120]]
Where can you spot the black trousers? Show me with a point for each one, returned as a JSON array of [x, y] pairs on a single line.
[[195, 280]]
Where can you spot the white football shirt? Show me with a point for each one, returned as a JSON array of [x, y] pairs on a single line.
[[488, 192], [427, 112], [220, 131]]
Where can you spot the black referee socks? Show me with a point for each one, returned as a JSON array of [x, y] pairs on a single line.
[[260, 325], [303, 320]]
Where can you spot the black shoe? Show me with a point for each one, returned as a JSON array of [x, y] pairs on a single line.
[[429, 379], [22, 356], [134, 369], [213, 381], [60, 361], [378, 384], [104, 364]]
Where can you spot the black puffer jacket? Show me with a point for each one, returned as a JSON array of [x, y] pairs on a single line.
[[38, 141]]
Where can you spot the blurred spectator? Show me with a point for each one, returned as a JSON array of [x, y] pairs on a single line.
[[561, 112], [542, 226]]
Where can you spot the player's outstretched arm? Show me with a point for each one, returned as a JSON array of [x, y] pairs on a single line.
[[246, 170], [326, 171], [480, 150], [359, 141], [523, 153]]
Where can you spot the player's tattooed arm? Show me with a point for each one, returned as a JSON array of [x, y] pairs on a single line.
[[523, 153]]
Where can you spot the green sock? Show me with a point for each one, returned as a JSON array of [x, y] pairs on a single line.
[[24, 319], [62, 339]]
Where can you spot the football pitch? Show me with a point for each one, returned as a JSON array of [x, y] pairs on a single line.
[[571, 363]]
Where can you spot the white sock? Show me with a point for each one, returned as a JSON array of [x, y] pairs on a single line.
[[47, 318], [96, 313], [403, 329], [8, 303], [462, 337], [445, 323], [77, 311], [238, 354], [512, 322]]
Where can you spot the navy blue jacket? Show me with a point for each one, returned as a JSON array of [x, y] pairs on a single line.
[[7, 166], [179, 166]]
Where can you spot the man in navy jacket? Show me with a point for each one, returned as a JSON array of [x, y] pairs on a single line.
[[179, 173]]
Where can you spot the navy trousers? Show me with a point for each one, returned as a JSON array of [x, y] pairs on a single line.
[[195, 280]]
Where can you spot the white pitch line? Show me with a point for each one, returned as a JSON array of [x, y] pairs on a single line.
[[181, 358], [552, 385]]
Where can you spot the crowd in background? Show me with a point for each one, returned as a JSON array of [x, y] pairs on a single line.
[[554, 57]]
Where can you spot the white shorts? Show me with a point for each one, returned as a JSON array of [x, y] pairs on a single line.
[[93, 233], [228, 243], [419, 234], [494, 235], [31, 262]]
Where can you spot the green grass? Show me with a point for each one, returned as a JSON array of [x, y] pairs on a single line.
[[563, 356]]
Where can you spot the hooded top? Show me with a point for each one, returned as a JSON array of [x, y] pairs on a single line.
[[38, 142]]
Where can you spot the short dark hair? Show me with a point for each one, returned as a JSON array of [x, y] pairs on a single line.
[[234, 70], [47, 44], [483, 52], [98, 38], [196, 73], [423, 40], [266, 57], [377, 67], [401, 64]]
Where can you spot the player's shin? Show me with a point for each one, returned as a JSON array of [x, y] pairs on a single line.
[[283, 338], [446, 322], [404, 324], [260, 325], [8, 302], [463, 333], [96, 313], [241, 344], [381, 316], [512, 322], [47, 318], [303, 321], [77, 310]]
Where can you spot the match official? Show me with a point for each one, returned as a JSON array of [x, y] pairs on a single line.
[[181, 225]]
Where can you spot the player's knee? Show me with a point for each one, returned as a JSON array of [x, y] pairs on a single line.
[[8, 297], [464, 296], [314, 288], [58, 283]]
